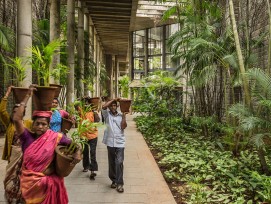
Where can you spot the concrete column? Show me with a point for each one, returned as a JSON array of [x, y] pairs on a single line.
[[164, 46], [80, 39], [108, 67], [24, 40], [70, 49], [146, 45], [116, 76], [98, 68], [86, 48], [131, 57], [54, 33]]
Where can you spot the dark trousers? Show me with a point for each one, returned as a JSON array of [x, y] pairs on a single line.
[[115, 163], [90, 149]]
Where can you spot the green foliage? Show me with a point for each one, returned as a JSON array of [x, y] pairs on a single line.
[[256, 119], [41, 32], [158, 97], [264, 184], [7, 41], [124, 82], [17, 66], [211, 174], [83, 126], [41, 61]]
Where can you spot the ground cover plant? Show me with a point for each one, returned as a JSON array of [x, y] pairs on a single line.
[[205, 160], [208, 173]]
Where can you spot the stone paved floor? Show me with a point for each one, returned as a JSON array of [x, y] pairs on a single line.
[[144, 183]]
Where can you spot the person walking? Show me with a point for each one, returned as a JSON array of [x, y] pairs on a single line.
[[114, 139], [57, 115], [39, 182], [89, 153], [6, 119], [12, 151]]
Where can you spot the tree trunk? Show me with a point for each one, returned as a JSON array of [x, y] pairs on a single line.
[[269, 40], [24, 40], [263, 162], [80, 54], [70, 49], [239, 53], [54, 34]]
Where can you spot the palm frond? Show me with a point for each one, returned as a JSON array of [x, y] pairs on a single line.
[[257, 140]]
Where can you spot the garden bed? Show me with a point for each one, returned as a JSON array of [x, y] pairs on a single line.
[[197, 170]]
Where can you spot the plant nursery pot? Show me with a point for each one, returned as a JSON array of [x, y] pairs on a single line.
[[94, 102], [43, 97], [19, 93], [66, 125], [125, 105], [58, 90], [63, 162]]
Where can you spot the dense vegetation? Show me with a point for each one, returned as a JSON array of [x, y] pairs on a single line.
[[216, 167], [214, 140]]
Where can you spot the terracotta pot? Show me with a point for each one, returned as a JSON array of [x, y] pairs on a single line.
[[94, 102], [19, 93], [58, 90], [125, 105], [105, 98], [63, 162], [66, 125], [43, 97]]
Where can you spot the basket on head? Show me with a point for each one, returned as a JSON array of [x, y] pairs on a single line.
[[43, 97], [125, 105]]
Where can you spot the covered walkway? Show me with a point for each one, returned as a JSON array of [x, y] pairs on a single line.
[[144, 182]]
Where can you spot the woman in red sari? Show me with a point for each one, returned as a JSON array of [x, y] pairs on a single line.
[[39, 183]]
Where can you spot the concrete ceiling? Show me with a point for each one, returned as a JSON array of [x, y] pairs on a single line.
[[111, 19]]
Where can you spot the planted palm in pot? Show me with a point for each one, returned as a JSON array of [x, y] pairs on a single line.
[[17, 66], [41, 61], [64, 154]]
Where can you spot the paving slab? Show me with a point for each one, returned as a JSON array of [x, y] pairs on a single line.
[[143, 181]]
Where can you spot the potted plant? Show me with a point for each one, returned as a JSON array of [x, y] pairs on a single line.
[[124, 88], [41, 61], [64, 159], [17, 66]]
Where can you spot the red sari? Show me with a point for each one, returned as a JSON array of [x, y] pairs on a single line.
[[37, 187]]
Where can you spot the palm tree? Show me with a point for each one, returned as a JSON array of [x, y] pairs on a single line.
[[257, 120], [6, 41]]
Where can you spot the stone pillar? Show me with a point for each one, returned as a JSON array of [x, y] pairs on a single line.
[[86, 48], [131, 57], [80, 51], [70, 49], [108, 67], [54, 33], [164, 46], [98, 68], [24, 41], [116, 76], [146, 53]]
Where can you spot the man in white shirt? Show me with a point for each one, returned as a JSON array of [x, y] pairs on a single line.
[[115, 140]]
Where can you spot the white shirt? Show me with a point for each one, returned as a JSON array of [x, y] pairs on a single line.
[[113, 134]]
